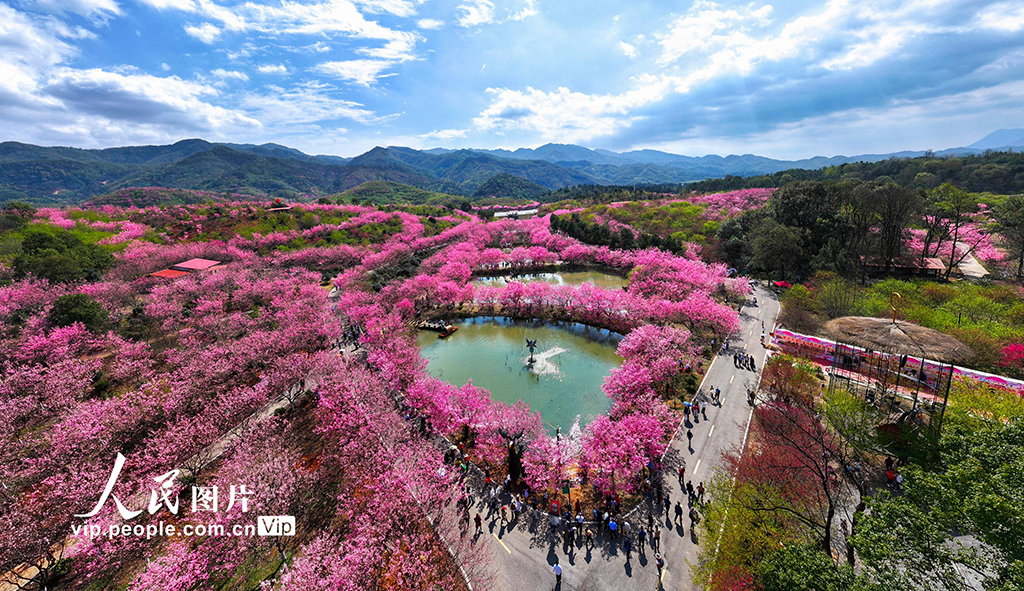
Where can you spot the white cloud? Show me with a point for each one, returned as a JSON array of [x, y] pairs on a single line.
[[707, 26], [97, 9], [628, 49], [204, 32], [526, 11], [143, 98], [365, 72], [303, 105], [325, 17], [1005, 16], [395, 7], [273, 69], [564, 115], [716, 42], [476, 12], [429, 23], [444, 135], [226, 74], [165, 67]]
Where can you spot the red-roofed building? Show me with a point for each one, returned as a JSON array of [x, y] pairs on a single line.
[[168, 274], [195, 265]]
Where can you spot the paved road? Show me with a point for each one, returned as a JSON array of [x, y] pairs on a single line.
[[524, 552]]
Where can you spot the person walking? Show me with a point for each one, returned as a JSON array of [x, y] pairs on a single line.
[[682, 473], [693, 517], [668, 503], [689, 491], [558, 572], [689, 439], [660, 562], [479, 523], [614, 528], [704, 409], [656, 539], [588, 541], [650, 520], [679, 513], [641, 537], [700, 492], [627, 545]]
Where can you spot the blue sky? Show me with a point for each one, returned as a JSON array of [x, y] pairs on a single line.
[[341, 76]]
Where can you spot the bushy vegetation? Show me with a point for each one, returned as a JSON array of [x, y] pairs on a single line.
[[987, 318], [777, 525], [511, 186], [995, 172]]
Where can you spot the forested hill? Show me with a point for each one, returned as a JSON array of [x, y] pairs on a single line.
[[62, 176], [995, 172]]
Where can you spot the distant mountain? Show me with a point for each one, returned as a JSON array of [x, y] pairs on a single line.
[[1001, 138], [509, 185], [63, 175]]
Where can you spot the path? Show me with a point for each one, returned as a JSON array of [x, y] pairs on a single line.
[[524, 553]]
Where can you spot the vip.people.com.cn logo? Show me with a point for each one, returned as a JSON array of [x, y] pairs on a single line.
[[275, 525]]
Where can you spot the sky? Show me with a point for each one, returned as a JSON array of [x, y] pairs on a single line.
[[788, 80]]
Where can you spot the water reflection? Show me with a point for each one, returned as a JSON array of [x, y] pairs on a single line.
[[599, 279], [572, 361]]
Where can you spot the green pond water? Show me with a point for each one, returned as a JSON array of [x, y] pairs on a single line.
[[564, 382], [599, 279]]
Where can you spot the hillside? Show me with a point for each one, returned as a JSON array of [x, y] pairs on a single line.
[[996, 172], [386, 192], [509, 185], [65, 175]]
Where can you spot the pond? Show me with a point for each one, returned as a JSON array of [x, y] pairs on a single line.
[[605, 280], [571, 362]]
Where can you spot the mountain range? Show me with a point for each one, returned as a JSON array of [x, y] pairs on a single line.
[[62, 175]]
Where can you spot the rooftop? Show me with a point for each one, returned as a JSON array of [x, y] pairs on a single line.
[[168, 274], [195, 265]]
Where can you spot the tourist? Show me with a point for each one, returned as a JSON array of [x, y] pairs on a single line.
[[628, 547], [700, 492], [689, 491], [613, 527], [693, 517], [668, 503], [656, 540], [558, 572], [679, 513], [479, 523], [704, 409], [589, 541], [641, 536], [682, 471], [689, 439]]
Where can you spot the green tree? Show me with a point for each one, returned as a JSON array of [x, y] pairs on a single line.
[[1010, 218], [803, 568], [61, 257], [777, 248], [955, 205], [78, 307], [895, 206]]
